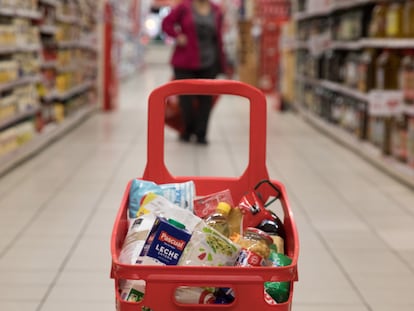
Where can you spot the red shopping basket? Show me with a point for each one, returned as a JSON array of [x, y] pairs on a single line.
[[162, 281]]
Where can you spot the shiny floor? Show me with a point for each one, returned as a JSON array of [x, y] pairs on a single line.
[[356, 224]]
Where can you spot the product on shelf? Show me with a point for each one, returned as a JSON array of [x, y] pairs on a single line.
[[407, 77], [394, 20], [408, 17], [387, 70], [410, 141], [366, 70], [377, 26]]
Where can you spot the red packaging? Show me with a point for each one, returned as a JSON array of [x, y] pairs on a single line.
[[206, 205]]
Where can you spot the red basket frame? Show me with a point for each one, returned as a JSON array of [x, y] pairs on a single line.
[[247, 283]]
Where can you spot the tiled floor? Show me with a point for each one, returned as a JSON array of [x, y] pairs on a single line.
[[356, 224]]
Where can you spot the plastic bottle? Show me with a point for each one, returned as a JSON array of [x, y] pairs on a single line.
[[387, 71], [378, 21], [394, 20], [407, 77], [408, 17], [366, 70], [219, 219]]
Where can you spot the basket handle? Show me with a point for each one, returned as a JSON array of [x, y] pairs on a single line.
[[156, 170]]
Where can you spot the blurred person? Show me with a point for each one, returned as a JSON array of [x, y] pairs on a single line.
[[196, 26]]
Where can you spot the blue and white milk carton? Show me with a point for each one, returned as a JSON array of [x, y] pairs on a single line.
[[166, 241]]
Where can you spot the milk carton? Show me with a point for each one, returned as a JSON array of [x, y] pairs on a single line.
[[166, 241]]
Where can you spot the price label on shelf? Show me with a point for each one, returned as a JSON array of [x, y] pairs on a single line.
[[318, 44], [409, 110], [385, 103]]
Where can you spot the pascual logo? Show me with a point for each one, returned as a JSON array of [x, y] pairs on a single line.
[[165, 237]]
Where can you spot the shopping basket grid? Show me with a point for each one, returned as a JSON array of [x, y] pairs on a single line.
[[162, 281]]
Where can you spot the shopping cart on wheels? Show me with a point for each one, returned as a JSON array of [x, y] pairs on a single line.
[[247, 282]]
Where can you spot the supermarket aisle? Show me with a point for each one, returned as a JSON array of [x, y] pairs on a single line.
[[356, 224]]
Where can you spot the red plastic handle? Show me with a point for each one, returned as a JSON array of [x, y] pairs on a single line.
[[156, 170]]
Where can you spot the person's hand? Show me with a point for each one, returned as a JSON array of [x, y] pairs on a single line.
[[181, 40]]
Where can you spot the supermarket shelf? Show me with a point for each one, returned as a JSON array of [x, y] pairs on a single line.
[[18, 117], [394, 168], [40, 141], [340, 88], [20, 13], [67, 19], [18, 82], [343, 5], [28, 14], [70, 93], [48, 29], [336, 87], [76, 44], [50, 64], [15, 49], [409, 110], [385, 43], [49, 2]]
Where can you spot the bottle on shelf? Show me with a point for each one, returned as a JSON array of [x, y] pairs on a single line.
[[366, 70], [394, 20], [408, 17], [407, 77], [378, 20], [387, 70]]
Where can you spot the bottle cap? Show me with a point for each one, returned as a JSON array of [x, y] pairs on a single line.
[[175, 223], [223, 208]]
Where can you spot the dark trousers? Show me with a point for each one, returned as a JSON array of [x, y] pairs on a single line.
[[195, 116]]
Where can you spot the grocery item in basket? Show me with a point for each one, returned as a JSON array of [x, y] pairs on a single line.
[[132, 290], [181, 194], [135, 239], [253, 207], [255, 248], [224, 295], [194, 295], [276, 230], [206, 205], [279, 291], [160, 206], [208, 247], [166, 241], [219, 218]]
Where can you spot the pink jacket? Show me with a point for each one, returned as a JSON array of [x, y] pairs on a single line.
[[187, 57]]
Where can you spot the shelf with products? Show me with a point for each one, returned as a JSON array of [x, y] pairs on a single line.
[[355, 71], [43, 45], [52, 3], [19, 153], [318, 46], [7, 121], [366, 150], [323, 8], [64, 95]]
